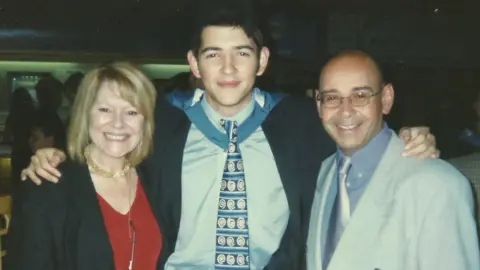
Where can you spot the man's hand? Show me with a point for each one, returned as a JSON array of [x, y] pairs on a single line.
[[419, 142], [44, 164]]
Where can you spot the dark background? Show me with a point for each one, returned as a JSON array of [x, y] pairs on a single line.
[[162, 27]]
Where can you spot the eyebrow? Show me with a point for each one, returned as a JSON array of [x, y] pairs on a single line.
[[216, 49], [355, 89]]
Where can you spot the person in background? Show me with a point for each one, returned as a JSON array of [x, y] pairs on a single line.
[[98, 216], [181, 82], [456, 123], [49, 92], [374, 209], [71, 86], [43, 131], [469, 166], [17, 131], [470, 134]]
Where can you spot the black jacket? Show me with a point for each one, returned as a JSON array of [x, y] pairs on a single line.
[[60, 226]]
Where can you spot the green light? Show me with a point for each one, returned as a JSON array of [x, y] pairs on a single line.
[[62, 70]]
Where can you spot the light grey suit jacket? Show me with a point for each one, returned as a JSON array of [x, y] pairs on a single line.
[[413, 215]]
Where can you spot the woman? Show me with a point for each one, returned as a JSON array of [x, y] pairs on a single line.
[[97, 216]]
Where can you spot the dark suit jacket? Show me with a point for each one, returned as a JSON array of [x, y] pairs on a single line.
[[299, 145], [60, 226]]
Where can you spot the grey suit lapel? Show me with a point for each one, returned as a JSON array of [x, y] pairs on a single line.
[[328, 192], [372, 211], [319, 211]]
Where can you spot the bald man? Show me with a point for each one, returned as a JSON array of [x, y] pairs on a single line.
[[374, 209]]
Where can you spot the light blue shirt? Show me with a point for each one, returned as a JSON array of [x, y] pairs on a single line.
[[203, 165], [364, 163]]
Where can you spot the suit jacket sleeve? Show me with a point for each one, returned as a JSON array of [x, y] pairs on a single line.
[[32, 244], [448, 237]]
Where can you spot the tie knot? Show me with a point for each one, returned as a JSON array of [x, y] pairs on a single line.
[[345, 164], [230, 127]]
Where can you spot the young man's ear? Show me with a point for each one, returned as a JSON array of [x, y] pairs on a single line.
[[263, 56], [193, 63]]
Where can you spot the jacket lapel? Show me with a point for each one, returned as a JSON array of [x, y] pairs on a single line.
[[150, 185], [170, 166], [321, 210], [372, 212], [85, 227], [280, 145]]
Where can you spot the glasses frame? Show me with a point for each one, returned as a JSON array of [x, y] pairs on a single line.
[[320, 96]]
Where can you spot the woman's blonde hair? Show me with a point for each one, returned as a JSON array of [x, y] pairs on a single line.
[[133, 86]]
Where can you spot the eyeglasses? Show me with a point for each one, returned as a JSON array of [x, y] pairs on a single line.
[[357, 99], [134, 240]]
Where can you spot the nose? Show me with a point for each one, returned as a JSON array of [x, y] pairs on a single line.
[[228, 65], [118, 120], [346, 107]]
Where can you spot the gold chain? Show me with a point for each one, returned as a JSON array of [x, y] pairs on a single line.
[[93, 167]]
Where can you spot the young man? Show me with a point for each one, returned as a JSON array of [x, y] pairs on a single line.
[[233, 167], [374, 209]]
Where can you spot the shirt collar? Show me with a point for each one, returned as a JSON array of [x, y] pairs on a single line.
[[369, 156], [215, 117]]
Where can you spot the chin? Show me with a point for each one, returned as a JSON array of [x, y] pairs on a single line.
[[351, 146], [117, 153], [230, 101], [120, 149], [116, 150]]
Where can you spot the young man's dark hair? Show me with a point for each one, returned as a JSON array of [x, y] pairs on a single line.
[[239, 14]]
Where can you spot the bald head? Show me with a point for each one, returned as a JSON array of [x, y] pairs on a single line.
[[353, 60]]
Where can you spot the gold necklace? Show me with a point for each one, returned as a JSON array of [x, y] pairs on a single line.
[[93, 167]]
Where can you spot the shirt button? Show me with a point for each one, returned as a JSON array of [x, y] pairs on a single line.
[[360, 175], [348, 184]]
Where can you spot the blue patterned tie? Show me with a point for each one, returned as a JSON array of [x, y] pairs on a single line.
[[232, 242]]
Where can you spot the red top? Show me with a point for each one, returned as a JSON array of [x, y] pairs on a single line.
[[148, 243]]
